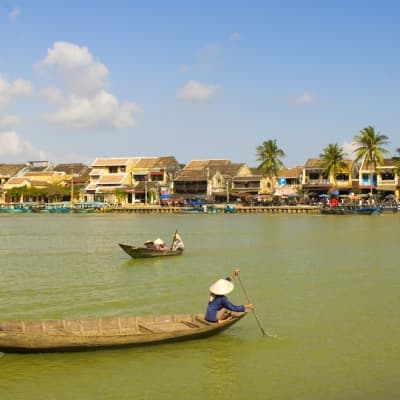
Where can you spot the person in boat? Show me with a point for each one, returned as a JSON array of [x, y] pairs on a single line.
[[160, 244], [157, 244], [219, 306], [177, 244]]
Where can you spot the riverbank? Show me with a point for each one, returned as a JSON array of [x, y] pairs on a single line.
[[215, 209]]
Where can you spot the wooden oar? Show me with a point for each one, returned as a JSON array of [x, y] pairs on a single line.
[[249, 301]]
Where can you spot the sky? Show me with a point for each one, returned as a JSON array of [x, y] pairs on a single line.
[[195, 79]]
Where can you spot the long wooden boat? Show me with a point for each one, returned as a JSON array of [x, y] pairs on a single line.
[[351, 209], [106, 332], [146, 252]]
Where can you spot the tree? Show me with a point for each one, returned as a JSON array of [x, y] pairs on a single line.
[[120, 194], [269, 154], [333, 156], [370, 149], [397, 162]]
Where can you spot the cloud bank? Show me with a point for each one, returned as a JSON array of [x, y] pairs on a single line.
[[80, 91], [195, 91], [13, 147]]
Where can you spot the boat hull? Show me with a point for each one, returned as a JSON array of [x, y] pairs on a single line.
[[347, 210], [144, 252], [106, 333]]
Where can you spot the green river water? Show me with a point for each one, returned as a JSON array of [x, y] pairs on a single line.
[[326, 290]]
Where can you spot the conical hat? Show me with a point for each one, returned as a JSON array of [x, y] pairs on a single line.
[[221, 287]]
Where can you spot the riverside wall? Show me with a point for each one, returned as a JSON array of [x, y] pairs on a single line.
[[300, 209]]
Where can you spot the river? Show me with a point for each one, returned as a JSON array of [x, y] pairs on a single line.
[[326, 291]]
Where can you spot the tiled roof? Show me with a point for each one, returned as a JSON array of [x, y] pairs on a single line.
[[23, 180], [17, 181], [9, 170], [290, 172], [73, 168], [199, 171], [387, 162], [198, 164], [91, 186], [111, 179], [39, 183], [41, 174], [157, 162], [192, 175], [316, 163], [226, 169], [109, 162], [256, 171]]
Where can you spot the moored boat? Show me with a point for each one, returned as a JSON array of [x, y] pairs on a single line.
[[106, 332], [351, 209]]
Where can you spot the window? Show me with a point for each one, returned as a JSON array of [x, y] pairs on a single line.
[[387, 176]]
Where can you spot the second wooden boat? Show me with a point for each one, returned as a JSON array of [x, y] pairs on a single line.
[[146, 252]]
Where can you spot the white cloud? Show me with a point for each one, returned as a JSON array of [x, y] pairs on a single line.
[[305, 98], [348, 148], [102, 110], [12, 146], [14, 13], [8, 121], [196, 91], [235, 36], [76, 68], [53, 95], [83, 99], [8, 90]]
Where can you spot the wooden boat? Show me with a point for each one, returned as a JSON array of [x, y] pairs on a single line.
[[155, 248], [351, 209], [147, 252], [106, 332]]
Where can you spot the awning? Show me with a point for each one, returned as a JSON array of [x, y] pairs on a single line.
[[387, 188], [285, 192]]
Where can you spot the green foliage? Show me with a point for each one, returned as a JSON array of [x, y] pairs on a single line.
[[397, 162], [120, 194], [370, 148], [333, 156], [269, 154]]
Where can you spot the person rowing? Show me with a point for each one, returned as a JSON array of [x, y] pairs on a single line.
[[219, 307]]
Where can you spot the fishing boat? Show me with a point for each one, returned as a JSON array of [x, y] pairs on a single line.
[[146, 252], [156, 248], [106, 332]]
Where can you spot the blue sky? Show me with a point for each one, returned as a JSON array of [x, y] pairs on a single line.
[[194, 79]]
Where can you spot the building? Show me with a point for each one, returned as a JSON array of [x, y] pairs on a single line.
[[212, 179], [316, 180], [382, 179], [131, 179]]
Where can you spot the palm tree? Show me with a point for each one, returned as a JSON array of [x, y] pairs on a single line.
[[370, 149], [269, 154], [333, 156], [397, 162]]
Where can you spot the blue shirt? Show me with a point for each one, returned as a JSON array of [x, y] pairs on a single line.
[[220, 302]]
